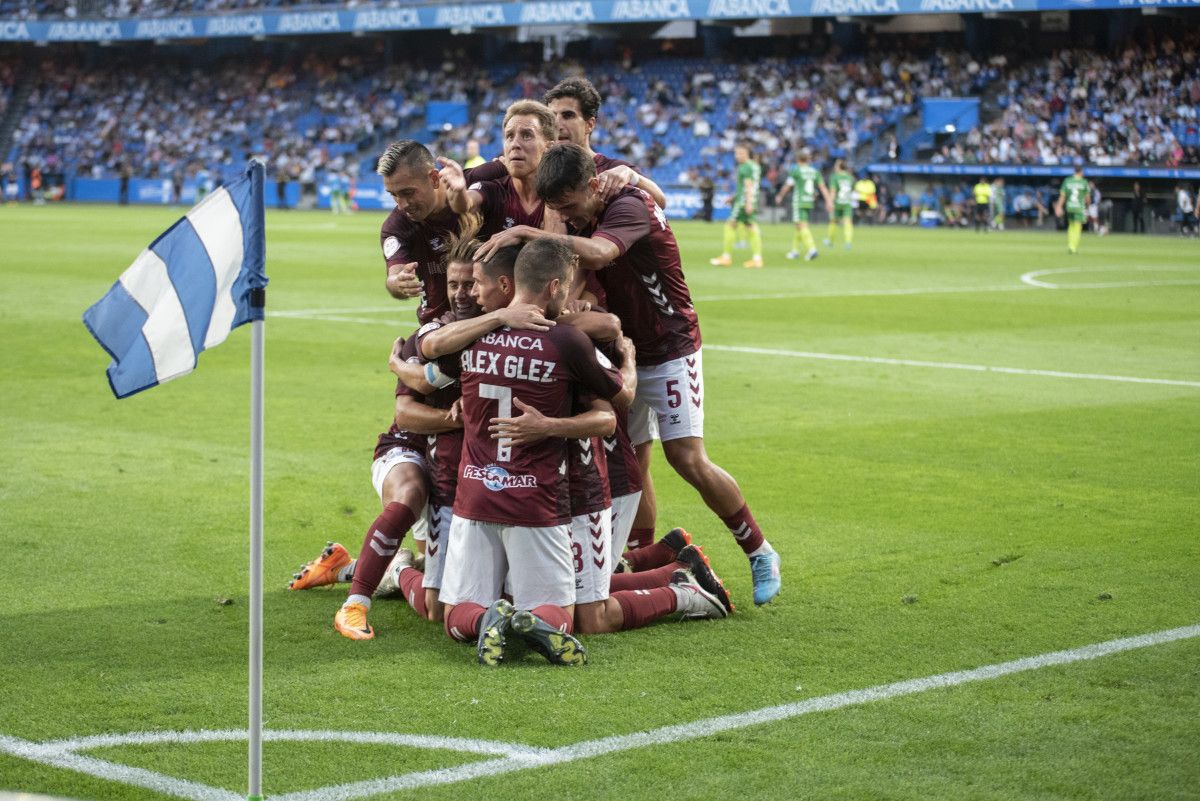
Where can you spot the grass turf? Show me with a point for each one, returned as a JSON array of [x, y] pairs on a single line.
[[931, 519]]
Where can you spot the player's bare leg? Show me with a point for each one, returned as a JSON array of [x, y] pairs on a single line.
[[404, 495], [642, 533], [722, 495]]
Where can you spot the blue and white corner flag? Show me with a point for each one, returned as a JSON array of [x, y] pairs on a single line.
[[187, 290]]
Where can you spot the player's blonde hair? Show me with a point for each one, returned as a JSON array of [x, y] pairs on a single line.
[[464, 245], [539, 111]]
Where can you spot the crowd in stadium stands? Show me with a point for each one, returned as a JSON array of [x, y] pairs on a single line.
[[677, 118], [8, 77], [1140, 107], [160, 121], [119, 9]]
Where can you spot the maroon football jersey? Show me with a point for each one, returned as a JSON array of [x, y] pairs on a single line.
[[587, 471], [645, 286], [604, 163], [624, 471], [501, 208], [523, 485], [396, 437], [405, 240], [445, 448]]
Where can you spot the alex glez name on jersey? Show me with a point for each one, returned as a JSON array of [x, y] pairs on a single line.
[[521, 368]]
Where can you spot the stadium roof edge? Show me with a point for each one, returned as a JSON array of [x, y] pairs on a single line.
[[476, 15]]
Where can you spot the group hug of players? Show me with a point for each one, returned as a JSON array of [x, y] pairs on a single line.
[[557, 340]]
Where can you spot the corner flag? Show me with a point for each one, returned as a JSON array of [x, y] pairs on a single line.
[[187, 290]]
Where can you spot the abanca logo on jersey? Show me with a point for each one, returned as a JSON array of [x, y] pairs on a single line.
[[497, 479]]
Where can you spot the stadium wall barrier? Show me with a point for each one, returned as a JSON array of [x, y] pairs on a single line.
[[159, 192], [445, 16], [1034, 171], [682, 202]]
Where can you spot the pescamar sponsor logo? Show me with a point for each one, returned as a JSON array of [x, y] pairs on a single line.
[[386, 19], [534, 13], [13, 30], [312, 22], [966, 6], [497, 479], [839, 7], [84, 31], [741, 9], [650, 9], [235, 26], [468, 16]]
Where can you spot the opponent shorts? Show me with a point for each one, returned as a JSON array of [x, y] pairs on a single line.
[[591, 555], [1075, 216], [624, 509], [537, 561], [801, 214], [384, 464], [669, 403], [738, 213], [842, 212]]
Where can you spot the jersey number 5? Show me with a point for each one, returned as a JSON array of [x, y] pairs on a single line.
[[674, 396]]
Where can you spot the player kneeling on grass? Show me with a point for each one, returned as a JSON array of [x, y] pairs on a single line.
[[607, 602], [696, 591], [511, 512], [420, 419], [630, 245]]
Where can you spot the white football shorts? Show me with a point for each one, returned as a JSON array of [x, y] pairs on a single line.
[[384, 464], [624, 509], [591, 555], [670, 401], [537, 561]]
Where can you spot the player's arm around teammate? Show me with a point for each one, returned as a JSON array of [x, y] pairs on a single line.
[[647, 290]]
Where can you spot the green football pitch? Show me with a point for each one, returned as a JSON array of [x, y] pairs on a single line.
[[977, 454]]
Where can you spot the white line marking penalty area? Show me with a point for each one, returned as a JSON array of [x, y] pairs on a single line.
[[516, 757], [978, 368]]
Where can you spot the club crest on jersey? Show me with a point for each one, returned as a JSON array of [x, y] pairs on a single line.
[[497, 479], [509, 222], [390, 246], [437, 244]]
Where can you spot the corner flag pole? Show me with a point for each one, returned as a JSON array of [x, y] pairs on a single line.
[[258, 299]]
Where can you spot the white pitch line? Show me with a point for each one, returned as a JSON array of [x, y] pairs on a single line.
[[111, 771], [436, 742], [528, 757], [978, 368], [865, 293], [319, 312], [705, 728], [1033, 278]]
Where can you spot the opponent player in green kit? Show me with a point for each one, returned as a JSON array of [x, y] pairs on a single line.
[[1074, 195], [743, 210], [807, 181], [841, 182]]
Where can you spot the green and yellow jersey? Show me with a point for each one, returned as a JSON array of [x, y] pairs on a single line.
[[1075, 190], [747, 171], [842, 184]]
